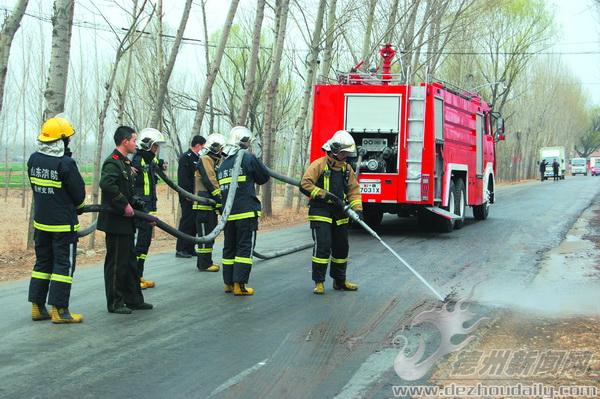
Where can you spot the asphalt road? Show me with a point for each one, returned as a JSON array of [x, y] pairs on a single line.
[[284, 342]]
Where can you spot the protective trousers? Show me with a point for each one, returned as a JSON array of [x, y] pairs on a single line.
[[238, 246], [143, 239], [330, 246], [187, 224], [121, 280], [52, 273], [206, 221]]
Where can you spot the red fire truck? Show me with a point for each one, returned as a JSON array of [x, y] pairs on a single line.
[[428, 149]]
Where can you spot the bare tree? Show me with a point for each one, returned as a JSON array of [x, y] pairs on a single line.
[[211, 116], [214, 68], [9, 28], [251, 72], [311, 68], [56, 86], [329, 38], [166, 75], [268, 137], [366, 46]]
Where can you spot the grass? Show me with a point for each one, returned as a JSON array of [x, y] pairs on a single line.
[[16, 175]]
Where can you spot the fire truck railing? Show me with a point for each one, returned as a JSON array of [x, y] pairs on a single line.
[[368, 78]]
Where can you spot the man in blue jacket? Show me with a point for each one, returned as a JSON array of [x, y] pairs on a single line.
[[242, 223], [58, 193]]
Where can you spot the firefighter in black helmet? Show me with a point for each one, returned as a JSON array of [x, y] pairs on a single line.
[[242, 223], [331, 173], [207, 186], [58, 193], [145, 162]]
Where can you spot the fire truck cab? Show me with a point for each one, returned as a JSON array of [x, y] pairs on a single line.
[[428, 150]]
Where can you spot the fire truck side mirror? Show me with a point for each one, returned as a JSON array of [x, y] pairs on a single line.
[[501, 137], [500, 126]]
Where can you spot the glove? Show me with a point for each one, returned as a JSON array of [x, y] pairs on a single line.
[[162, 164], [128, 212], [360, 215], [331, 198], [79, 211]]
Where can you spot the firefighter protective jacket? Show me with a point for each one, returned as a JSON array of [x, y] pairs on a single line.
[[117, 183], [58, 190], [337, 177], [145, 180], [206, 183], [246, 204], [185, 171]]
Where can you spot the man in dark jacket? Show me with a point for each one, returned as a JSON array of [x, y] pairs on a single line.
[[185, 180], [242, 223], [555, 169], [145, 163], [117, 179], [58, 193], [543, 165]]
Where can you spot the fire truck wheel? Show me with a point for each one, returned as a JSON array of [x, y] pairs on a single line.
[[461, 199], [445, 225], [373, 217]]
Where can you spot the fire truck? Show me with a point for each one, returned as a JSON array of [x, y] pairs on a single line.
[[428, 150]]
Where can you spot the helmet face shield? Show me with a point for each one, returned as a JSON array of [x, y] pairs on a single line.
[[148, 137], [215, 143], [341, 141]]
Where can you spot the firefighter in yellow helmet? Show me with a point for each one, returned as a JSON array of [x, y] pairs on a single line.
[[207, 186], [58, 193], [331, 174]]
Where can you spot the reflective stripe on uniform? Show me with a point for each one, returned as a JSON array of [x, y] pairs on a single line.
[[55, 228], [228, 261], [315, 192], [239, 259], [227, 180], [198, 207], [355, 202], [142, 256], [45, 182], [62, 279], [342, 221], [322, 261], [337, 260], [204, 250], [40, 275], [146, 179], [315, 218], [326, 178], [245, 215], [216, 191], [81, 205]]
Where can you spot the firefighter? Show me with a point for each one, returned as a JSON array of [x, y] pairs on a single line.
[[242, 223], [331, 174], [145, 163], [207, 186], [117, 181], [58, 194], [185, 179]]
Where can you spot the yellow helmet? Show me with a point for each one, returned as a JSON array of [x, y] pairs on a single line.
[[55, 129]]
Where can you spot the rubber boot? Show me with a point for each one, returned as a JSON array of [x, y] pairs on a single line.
[[319, 288], [241, 289], [212, 268], [344, 285], [39, 312], [228, 288], [63, 316], [146, 283]]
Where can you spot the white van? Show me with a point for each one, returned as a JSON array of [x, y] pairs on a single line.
[[578, 166]]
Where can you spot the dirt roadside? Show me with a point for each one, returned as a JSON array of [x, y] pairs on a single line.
[[549, 337], [16, 261]]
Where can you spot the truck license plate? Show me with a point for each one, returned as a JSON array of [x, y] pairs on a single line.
[[370, 188]]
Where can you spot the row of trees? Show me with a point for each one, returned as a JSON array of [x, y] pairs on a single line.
[[258, 69]]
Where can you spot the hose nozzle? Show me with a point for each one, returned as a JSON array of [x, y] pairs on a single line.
[[351, 214]]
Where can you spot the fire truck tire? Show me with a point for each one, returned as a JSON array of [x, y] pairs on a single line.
[[372, 216], [481, 212], [461, 200], [444, 225], [425, 219]]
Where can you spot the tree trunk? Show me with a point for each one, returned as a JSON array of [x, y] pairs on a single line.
[[299, 124], [9, 28], [366, 46], [270, 106], [214, 68], [164, 81], [211, 118], [329, 38], [251, 72], [62, 23]]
